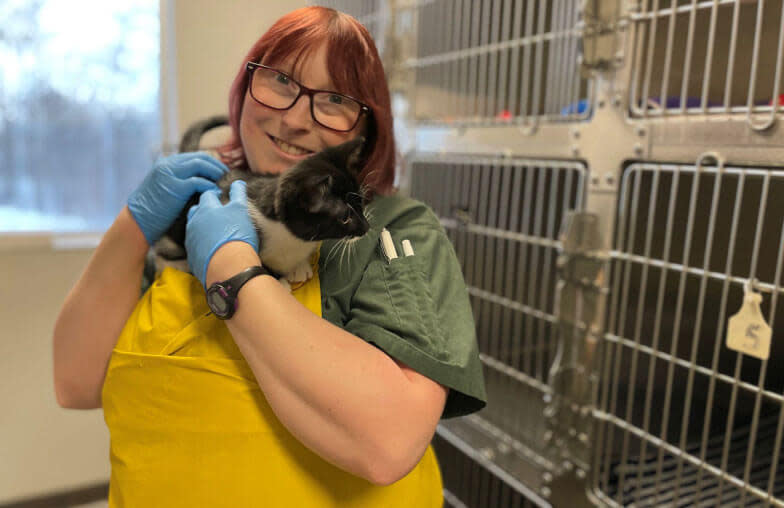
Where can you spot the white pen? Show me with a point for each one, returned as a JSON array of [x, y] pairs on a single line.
[[388, 245]]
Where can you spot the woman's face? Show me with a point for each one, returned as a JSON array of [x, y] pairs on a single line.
[[262, 129]]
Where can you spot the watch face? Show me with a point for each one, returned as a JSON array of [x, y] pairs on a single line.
[[216, 298]]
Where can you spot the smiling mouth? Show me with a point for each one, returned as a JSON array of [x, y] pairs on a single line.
[[288, 148]]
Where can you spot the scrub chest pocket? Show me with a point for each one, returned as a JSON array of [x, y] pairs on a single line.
[[415, 308], [408, 309]]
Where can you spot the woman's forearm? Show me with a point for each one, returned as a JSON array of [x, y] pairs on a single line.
[[340, 396], [94, 313]]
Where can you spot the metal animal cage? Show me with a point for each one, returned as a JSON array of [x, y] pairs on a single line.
[[610, 174], [497, 62], [708, 58], [686, 419], [494, 236]]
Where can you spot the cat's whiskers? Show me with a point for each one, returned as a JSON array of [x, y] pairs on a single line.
[[332, 251], [349, 247], [352, 248], [363, 190], [343, 251], [368, 215], [367, 212], [340, 258], [367, 176], [365, 187], [337, 247]]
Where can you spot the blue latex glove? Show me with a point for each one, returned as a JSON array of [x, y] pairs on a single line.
[[166, 189], [212, 224]]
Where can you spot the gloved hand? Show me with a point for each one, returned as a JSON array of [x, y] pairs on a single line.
[[212, 224], [166, 189]]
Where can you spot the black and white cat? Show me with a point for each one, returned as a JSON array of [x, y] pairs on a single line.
[[317, 199]]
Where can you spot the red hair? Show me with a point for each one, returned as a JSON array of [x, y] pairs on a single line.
[[354, 67]]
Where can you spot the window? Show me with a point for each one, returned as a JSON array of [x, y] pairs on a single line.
[[79, 119]]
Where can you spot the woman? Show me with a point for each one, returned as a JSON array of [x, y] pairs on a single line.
[[328, 396]]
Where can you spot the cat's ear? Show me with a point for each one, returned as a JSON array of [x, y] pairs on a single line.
[[356, 155], [319, 190]]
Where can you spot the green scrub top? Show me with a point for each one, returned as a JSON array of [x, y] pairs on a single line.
[[414, 308]]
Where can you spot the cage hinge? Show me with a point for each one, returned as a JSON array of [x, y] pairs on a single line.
[[599, 28], [579, 311]]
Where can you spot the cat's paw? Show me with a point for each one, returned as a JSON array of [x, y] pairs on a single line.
[[300, 273], [285, 284]]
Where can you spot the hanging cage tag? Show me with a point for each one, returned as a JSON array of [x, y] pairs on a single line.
[[747, 331]]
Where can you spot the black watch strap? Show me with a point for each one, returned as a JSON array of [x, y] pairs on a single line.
[[234, 284], [222, 296]]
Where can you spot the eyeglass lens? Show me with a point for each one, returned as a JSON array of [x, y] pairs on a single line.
[[276, 90]]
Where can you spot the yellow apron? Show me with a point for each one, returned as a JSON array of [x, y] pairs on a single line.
[[190, 426]]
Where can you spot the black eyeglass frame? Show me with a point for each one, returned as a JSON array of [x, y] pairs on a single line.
[[303, 90]]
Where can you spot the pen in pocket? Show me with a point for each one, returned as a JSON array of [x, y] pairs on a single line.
[[387, 245]]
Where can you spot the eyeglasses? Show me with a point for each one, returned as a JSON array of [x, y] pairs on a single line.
[[280, 91]]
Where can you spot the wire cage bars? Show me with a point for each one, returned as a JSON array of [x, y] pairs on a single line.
[[684, 420], [678, 418], [503, 216], [481, 62], [471, 481], [707, 58]]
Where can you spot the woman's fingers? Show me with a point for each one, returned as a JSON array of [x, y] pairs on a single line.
[[238, 191], [200, 164], [199, 184], [208, 198]]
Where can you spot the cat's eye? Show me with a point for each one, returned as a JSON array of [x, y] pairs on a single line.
[[346, 218]]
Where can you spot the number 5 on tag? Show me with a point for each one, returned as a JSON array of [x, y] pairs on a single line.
[[748, 332]]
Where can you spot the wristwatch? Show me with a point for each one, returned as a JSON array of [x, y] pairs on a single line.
[[222, 296]]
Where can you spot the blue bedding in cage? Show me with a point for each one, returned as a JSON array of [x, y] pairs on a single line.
[[576, 108]]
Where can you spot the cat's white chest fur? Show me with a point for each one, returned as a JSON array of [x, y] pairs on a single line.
[[281, 251]]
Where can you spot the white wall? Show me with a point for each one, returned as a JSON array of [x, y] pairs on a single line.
[[212, 39], [44, 448]]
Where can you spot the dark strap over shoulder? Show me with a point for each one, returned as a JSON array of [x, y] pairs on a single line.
[[148, 275]]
